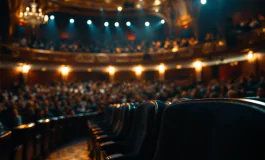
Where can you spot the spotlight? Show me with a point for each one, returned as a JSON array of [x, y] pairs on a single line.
[[116, 24], [106, 24], [162, 21], [119, 8], [147, 24], [203, 2], [128, 23], [72, 20], [89, 22], [52, 17]]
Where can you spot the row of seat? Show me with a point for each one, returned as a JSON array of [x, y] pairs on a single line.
[[212, 129], [36, 140]]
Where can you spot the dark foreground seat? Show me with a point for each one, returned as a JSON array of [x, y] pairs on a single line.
[[141, 143], [5, 145], [213, 130]]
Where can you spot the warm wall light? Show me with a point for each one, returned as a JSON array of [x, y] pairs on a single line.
[[119, 8], [161, 68], [89, 69], [197, 65], [44, 69], [111, 70], [250, 55], [65, 70], [178, 66], [138, 70], [25, 68]]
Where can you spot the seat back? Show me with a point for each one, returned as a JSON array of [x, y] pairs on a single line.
[[145, 128], [217, 129], [256, 98], [126, 121], [5, 145]]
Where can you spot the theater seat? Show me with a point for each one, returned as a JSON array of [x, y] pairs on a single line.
[[224, 129], [142, 139], [5, 145], [256, 98]]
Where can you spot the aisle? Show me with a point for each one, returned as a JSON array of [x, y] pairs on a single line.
[[74, 151]]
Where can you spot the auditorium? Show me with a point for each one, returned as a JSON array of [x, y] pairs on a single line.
[[132, 80]]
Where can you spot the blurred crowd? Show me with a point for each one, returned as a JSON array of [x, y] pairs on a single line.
[[29, 103]]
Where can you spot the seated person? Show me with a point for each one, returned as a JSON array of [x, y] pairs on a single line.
[[193, 41]]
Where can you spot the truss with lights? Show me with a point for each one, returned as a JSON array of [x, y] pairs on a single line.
[[33, 15]]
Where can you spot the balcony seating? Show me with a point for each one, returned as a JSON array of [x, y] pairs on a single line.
[[5, 145], [215, 129], [142, 139]]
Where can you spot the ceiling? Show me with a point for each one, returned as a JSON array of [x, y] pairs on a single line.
[[112, 5]]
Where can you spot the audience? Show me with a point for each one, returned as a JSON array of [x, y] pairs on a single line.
[[35, 102]]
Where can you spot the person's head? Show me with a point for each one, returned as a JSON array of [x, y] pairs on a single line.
[[232, 94], [261, 92]]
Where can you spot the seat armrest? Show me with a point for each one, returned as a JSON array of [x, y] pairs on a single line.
[[117, 156], [98, 132], [112, 147], [101, 136], [94, 129]]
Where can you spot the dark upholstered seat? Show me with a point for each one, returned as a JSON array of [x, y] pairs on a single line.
[[5, 145], [224, 129], [141, 142]]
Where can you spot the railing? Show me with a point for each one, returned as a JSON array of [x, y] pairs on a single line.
[[214, 48]]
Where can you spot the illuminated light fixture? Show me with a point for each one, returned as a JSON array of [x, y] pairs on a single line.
[[25, 68], [197, 65], [119, 8], [162, 21], [175, 49], [33, 15], [203, 2], [156, 10], [106, 24], [178, 66], [138, 5], [44, 69], [89, 22], [52, 17], [89, 69], [128, 23], [72, 20], [111, 70], [161, 68], [251, 56], [138, 70], [116, 24], [147, 24], [157, 2], [64, 70]]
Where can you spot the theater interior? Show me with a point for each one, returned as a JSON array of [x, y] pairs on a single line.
[[132, 80]]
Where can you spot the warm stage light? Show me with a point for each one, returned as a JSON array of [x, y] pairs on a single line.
[[65, 70], [203, 2], [128, 24], [147, 24], [25, 68], [119, 8], [72, 20], [116, 24], [106, 24], [52, 17], [157, 2], [197, 65], [111, 70], [161, 68], [162, 21], [138, 70], [89, 22]]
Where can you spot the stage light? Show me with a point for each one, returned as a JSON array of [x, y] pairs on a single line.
[[72, 20], [197, 65], [111, 70], [25, 68], [138, 70], [161, 68], [119, 8], [52, 17], [65, 70], [116, 24], [203, 2], [128, 23], [163, 21], [147, 24], [106, 24], [89, 22]]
